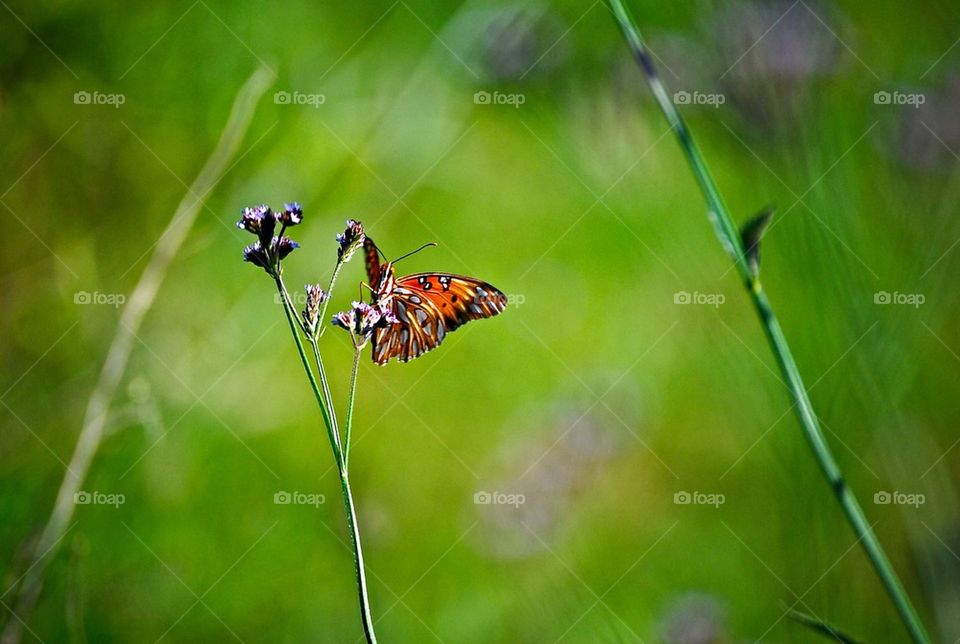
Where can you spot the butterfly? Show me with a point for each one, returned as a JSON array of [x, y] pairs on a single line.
[[427, 306]]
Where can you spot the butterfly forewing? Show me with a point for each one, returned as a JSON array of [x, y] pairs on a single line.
[[458, 299]]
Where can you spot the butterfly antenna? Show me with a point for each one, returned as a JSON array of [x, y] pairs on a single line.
[[380, 252], [413, 252]]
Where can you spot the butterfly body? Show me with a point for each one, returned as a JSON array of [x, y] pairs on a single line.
[[427, 306]]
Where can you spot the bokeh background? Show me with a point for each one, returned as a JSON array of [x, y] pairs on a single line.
[[599, 396]]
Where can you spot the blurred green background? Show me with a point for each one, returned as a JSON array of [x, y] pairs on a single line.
[[598, 395]]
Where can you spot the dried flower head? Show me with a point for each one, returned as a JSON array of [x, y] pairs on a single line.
[[292, 214], [311, 312], [350, 240], [363, 319]]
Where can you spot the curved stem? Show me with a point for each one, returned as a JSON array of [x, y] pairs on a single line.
[[778, 342], [350, 398]]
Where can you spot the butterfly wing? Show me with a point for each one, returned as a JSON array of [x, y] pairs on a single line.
[[430, 305], [374, 269]]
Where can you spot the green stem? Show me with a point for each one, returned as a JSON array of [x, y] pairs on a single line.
[[313, 337], [339, 455], [365, 614], [778, 342], [327, 396], [350, 398], [321, 320]]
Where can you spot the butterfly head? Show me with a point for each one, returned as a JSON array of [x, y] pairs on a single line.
[[383, 277]]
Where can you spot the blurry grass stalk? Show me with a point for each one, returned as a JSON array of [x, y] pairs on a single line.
[[822, 628], [141, 300], [341, 450], [746, 262]]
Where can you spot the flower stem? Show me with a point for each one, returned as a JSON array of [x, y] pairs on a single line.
[[365, 615], [327, 396], [338, 452], [325, 385], [778, 342], [350, 398], [321, 325], [294, 326]]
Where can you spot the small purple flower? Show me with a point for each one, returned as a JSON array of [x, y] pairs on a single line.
[[260, 221], [292, 214], [350, 240], [284, 246], [388, 315], [345, 320], [257, 255]]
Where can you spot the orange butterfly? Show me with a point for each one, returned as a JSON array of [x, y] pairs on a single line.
[[427, 306]]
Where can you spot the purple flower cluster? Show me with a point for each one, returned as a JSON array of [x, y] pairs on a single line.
[[269, 249], [363, 319]]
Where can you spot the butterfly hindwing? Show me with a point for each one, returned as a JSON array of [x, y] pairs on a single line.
[[419, 328]]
